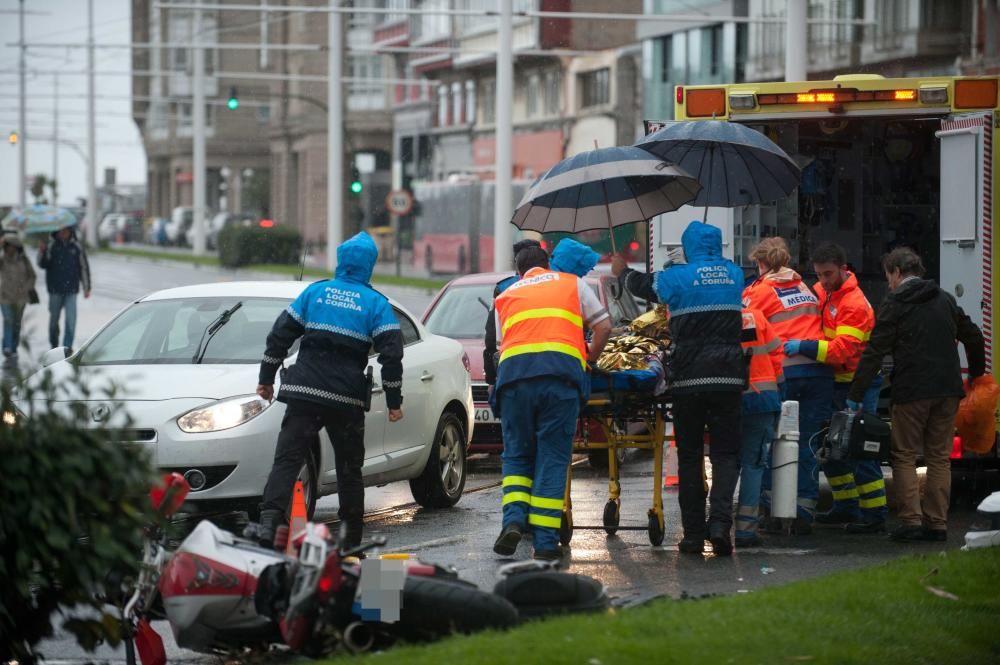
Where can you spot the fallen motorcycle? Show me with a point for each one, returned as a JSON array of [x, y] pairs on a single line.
[[220, 593]]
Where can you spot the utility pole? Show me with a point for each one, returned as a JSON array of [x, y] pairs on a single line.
[[795, 40], [504, 140], [198, 138], [91, 133], [22, 123], [55, 140], [334, 136]]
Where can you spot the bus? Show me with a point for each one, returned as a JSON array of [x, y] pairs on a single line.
[[885, 162]]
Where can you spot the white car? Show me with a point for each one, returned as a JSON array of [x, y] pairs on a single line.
[[205, 421]]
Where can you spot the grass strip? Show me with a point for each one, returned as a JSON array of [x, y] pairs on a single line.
[[889, 613], [279, 269]]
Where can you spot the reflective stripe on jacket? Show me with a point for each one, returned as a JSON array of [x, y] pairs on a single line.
[[848, 319], [793, 312], [766, 355], [541, 326]]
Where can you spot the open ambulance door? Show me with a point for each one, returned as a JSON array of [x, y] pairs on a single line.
[[966, 218], [665, 230]]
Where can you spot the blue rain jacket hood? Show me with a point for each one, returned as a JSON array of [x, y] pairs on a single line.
[[356, 259], [573, 257], [701, 241]]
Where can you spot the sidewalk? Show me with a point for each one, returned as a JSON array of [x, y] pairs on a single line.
[[315, 260]]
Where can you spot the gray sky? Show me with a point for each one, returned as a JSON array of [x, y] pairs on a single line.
[[118, 142]]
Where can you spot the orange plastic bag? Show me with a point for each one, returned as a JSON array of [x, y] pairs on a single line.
[[976, 417]]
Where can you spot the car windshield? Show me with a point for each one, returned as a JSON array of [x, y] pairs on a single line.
[[461, 312], [169, 331]]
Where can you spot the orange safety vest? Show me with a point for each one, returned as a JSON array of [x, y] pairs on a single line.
[[848, 320], [766, 353], [541, 324], [790, 308]]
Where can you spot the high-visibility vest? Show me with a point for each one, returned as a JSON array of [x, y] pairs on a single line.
[[541, 324], [848, 320], [765, 351], [792, 310]]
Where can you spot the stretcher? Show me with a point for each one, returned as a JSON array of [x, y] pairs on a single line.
[[631, 416]]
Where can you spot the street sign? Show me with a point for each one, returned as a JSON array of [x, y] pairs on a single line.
[[399, 202]]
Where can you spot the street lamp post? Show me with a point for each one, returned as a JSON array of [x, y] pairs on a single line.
[[504, 138], [91, 133], [198, 138], [334, 136]]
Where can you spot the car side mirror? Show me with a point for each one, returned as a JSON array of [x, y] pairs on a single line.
[[53, 356]]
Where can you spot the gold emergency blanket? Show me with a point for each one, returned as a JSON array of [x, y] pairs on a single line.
[[630, 351]]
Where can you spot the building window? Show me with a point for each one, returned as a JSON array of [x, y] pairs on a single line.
[[442, 106], [666, 45], [533, 93], [470, 102], [489, 102], [550, 92], [432, 25], [715, 49], [365, 92], [180, 30], [456, 103], [595, 88]]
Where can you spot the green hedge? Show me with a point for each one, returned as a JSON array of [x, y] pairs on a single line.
[[73, 504], [244, 245]]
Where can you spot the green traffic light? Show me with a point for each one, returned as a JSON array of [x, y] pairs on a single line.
[[356, 187], [233, 103]]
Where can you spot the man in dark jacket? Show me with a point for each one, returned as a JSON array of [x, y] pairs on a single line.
[[708, 373], [338, 321], [918, 324], [67, 272], [490, 341]]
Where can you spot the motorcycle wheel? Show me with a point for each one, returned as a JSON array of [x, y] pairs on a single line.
[[434, 608]]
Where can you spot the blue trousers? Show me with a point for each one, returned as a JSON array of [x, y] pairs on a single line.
[[537, 418], [57, 303], [858, 487], [11, 327], [755, 451], [815, 397]]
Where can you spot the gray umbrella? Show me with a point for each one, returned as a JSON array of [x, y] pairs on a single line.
[[735, 165]]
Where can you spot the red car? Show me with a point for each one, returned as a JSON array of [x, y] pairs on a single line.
[[459, 311]]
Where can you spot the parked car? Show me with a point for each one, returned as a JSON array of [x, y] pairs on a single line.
[[156, 234], [117, 227], [460, 310], [220, 222], [181, 220], [205, 422]]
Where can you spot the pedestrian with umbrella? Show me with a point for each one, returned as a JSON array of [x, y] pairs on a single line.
[[67, 272], [17, 289], [735, 166]]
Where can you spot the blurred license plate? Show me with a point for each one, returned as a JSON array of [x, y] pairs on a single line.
[[485, 415]]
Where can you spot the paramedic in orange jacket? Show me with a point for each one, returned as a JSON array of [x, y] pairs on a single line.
[[793, 311], [858, 487], [761, 410]]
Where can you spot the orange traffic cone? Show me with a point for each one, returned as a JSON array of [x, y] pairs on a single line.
[[670, 478], [299, 517]]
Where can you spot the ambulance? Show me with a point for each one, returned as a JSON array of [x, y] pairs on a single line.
[[885, 162]]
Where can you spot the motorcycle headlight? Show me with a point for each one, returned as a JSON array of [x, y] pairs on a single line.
[[222, 415]]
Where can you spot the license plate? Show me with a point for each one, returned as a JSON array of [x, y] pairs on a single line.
[[485, 415]]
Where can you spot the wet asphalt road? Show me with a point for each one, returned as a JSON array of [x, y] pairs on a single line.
[[627, 564]]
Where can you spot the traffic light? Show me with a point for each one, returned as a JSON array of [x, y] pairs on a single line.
[[234, 100], [12, 138], [356, 185]]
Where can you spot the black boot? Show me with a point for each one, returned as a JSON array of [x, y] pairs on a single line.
[[270, 520], [506, 542], [718, 535]]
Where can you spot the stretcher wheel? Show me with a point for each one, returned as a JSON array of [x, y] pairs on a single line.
[[566, 529], [655, 529], [612, 515]]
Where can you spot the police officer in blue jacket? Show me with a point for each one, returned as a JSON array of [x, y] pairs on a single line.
[[339, 320]]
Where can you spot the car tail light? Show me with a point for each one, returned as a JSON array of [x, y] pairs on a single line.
[[956, 448], [634, 246], [466, 363], [976, 93], [266, 223]]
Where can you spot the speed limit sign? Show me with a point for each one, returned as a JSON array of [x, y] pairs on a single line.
[[399, 202]]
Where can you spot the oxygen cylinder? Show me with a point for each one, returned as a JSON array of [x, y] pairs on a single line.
[[785, 463]]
